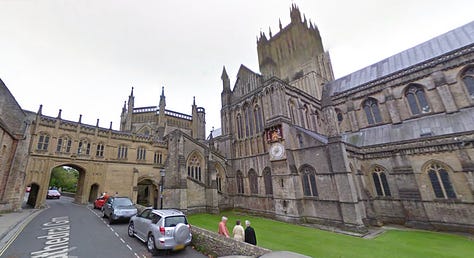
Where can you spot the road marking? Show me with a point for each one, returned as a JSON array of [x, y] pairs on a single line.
[[19, 230], [116, 234]]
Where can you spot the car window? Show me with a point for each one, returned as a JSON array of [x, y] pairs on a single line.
[[145, 213], [173, 221], [154, 218], [123, 202]]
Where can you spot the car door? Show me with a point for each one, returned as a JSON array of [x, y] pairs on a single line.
[[108, 207], [141, 224]]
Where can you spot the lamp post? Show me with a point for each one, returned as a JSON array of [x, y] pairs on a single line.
[[162, 173]]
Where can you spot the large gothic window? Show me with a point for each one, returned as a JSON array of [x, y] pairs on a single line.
[[240, 182], [292, 109], [194, 167], [308, 177], [372, 111], [248, 121], [380, 181], [239, 126], [417, 100], [253, 181], [257, 112], [43, 142], [267, 179], [64, 144], [440, 182], [468, 79]]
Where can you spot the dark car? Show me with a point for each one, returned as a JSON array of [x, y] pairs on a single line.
[[53, 194], [118, 208], [167, 229]]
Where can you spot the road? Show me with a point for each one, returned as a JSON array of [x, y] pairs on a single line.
[[69, 230]]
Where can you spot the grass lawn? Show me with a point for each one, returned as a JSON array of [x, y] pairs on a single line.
[[279, 236]]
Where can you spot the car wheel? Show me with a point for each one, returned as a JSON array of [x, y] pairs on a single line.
[[181, 233], [111, 221], [131, 229], [103, 214], [150, 244]]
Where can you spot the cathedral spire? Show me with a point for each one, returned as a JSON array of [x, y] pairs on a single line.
[[225, 81], [162, 100], [279, 24]]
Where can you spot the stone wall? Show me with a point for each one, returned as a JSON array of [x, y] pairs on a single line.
[[216, 245]]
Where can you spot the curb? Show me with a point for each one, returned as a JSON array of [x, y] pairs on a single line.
[[14, 230]]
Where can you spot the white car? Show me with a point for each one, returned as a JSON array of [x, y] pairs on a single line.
[[167, 230]]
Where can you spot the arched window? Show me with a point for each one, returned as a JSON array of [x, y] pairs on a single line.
[[417, 100], [100, 150], [257, 112], [308, 177], [122, 152], [239, 126], [43, 142], [253, 181], [339, 115], [440, 182], [240, 182], [84, 147], [267, 179], [248, 121], [194, 167], [158, 157], [64, 144], [292, 109], [380, 181], [141, 153], [372, 111], [468, 79], [305, 117]]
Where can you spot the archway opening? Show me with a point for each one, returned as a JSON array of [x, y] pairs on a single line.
[[147, 193], [69, 179], [93, 193], [33, 194]]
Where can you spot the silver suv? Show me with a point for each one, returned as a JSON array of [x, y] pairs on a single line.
[[161, 229]]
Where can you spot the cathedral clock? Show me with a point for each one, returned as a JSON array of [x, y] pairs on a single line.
[[277, 151]]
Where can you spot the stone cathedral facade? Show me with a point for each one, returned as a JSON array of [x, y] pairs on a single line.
[[390, 143]]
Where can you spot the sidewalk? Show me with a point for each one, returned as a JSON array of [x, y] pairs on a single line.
[[12, 223]]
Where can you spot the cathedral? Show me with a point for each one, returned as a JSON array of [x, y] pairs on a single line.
[[391, 143]]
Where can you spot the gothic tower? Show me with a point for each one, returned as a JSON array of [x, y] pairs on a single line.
[[126, 116], [199, 122], [296, 55]]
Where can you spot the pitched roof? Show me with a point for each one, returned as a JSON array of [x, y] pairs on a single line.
[[445, 43]]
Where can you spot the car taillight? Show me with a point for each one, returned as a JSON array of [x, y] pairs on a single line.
[[162, 230]]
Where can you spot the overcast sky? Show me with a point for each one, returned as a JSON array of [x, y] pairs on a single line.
[[85, 56]]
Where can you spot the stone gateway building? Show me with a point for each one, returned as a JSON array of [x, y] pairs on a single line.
[[390, 143]]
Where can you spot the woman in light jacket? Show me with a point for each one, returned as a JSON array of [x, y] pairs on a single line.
[[238, 231]]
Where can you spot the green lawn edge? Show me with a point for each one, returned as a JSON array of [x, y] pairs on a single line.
[[281, 236]]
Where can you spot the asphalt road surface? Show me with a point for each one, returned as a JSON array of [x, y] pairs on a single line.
[[69, 230]]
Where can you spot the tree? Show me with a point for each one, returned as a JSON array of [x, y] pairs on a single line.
[[65, 178]]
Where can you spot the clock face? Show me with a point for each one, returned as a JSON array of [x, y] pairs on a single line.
[[277, 150]]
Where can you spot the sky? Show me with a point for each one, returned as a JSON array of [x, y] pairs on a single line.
[[84, 56]]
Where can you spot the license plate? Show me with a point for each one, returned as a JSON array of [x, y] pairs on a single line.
[[178, 247]]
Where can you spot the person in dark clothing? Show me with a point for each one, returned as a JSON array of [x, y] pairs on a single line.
[[250, 234]]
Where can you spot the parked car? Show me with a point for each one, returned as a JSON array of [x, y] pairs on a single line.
[[118, 208], [53, 194], [99, 202], [167, 229]]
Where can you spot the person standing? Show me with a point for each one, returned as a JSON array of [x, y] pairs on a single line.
[[238, 231], [250, 234], [223, 227]]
